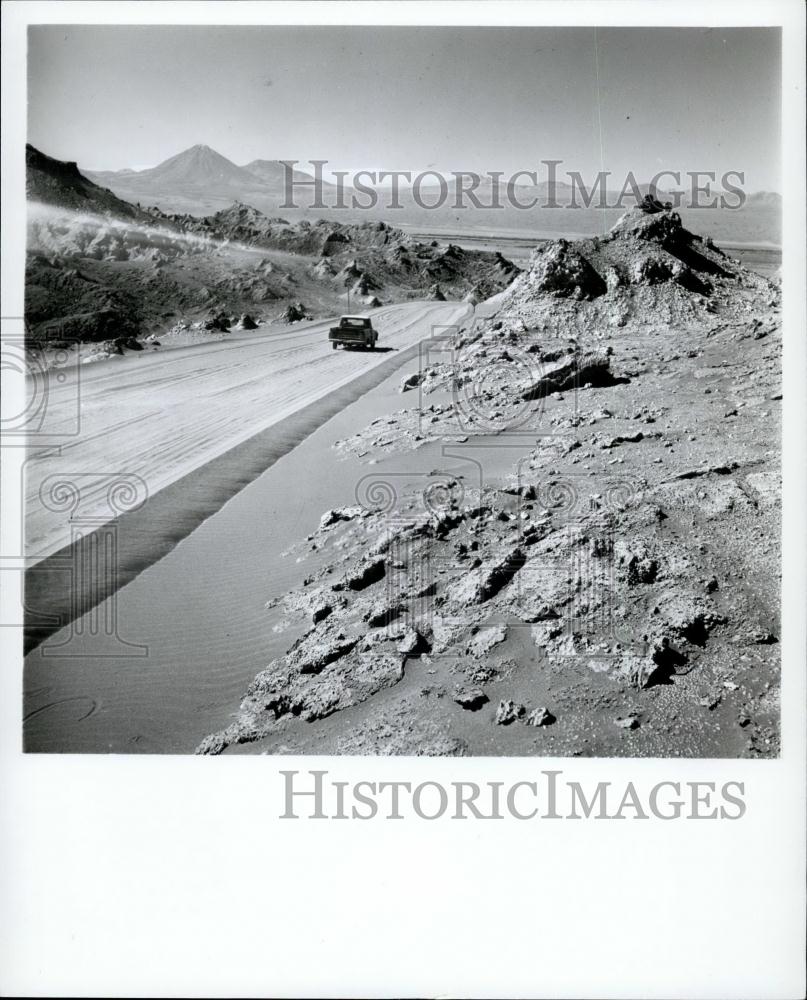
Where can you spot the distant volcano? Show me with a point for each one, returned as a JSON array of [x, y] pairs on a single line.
[[200, 179], [198, 166]]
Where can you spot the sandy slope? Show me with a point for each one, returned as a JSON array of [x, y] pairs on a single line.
[[158, 416]]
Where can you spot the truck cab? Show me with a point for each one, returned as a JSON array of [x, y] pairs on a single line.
[[353, 331]]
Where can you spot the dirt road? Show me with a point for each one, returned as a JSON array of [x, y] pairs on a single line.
[[148, 419]]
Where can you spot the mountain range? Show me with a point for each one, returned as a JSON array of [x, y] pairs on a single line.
[[201, 168], [200, 182], [200, 178]]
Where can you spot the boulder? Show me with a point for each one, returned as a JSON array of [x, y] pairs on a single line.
[[485, 640], [411, 381], [540, 717], [560, 270], [487, 580], [218, 321], [293, 313], [337, 514], [413, 643], [471, 699], [509, 711], [312, 653], [592, 368]]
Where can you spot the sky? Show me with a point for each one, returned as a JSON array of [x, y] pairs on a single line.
[[482, 99]]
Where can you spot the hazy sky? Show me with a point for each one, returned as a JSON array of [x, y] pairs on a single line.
[[413, 98]]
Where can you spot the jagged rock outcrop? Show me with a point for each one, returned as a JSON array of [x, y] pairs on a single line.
[[597, 602]]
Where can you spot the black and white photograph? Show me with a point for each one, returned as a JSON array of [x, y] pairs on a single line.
[[448, 430], [413, 390]]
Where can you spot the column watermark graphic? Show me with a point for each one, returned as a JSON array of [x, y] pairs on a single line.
[[69, 604]]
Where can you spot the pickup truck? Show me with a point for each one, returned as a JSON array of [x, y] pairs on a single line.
[[353, 331]]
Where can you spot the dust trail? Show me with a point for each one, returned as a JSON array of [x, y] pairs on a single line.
[[45, 219]]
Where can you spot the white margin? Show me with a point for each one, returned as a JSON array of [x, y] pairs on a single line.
[[171, 876]]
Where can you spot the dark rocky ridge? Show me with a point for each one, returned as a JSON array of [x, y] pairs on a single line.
[[91, 254], [56, 182]]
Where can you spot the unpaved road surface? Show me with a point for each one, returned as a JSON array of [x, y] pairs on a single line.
[[147, 419]]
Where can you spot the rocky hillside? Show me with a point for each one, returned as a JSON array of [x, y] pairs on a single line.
[[100, 269], [365, 257], [56, 182], [607, 584]]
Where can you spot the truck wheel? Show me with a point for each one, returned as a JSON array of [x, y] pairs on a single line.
[[333, 346]]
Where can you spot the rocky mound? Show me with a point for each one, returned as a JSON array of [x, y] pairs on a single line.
[[615, 592], [647, 264]]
